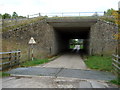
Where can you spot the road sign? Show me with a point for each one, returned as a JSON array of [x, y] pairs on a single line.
[[32, 41]]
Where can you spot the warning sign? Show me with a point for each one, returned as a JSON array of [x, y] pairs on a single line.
[[32, 41]]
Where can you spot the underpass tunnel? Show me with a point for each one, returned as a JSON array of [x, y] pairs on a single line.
[[63, 36]]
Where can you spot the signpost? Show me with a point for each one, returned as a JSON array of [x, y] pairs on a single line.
[[31, 42]]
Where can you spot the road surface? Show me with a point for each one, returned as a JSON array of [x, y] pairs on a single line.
[[68, 60], [67, 71]]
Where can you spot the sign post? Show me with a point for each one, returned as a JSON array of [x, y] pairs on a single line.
[[32, 42]]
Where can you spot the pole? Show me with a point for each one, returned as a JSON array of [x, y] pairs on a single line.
[[39, 14], [29, 53], [79, 13], [28, 16], [62, 14], [32, 52]]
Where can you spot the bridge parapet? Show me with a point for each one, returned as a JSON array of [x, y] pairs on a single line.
[[72, 19]]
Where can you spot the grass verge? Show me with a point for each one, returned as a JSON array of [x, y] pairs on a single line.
[[34, 62], [102, 63], [38, 61], [3, 74]]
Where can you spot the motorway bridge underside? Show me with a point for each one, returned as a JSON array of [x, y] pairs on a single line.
[[67, 29]]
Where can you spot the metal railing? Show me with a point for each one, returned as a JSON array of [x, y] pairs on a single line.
[[9, 59], [67, 14]]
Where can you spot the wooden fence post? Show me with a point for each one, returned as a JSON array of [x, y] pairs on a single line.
[[18, 57], [10, 57]]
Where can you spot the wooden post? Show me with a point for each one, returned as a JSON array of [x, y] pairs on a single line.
[[18, 57], [39, 14], [10, 57], [32, 52], [15, 58], [28, 16], [29, 53]]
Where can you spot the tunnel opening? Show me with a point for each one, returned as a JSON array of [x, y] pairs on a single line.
[[74, 42], [64, 36]]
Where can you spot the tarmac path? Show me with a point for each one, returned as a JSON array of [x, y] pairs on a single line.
[[68, 60], [67, 71]]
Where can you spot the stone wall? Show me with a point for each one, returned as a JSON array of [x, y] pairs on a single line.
[[19, 38], [102, 40], [51, 42]]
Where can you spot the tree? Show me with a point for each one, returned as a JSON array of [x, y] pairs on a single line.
[[14, 15], [116, 15], [109, 12], [6, 15]]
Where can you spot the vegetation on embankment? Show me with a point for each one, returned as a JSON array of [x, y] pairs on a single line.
[[112, 15], [102, 63], [13, 24]]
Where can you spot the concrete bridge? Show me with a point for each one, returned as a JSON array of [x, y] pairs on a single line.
[[53, 34], [90, 29], [71, 28]]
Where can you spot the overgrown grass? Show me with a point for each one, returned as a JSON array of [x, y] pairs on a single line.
[[3, 74], [34, 62], [102, 63]]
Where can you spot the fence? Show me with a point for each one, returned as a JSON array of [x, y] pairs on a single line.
[[9, 23], [9, 59], [116, 64], [67, 14]]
